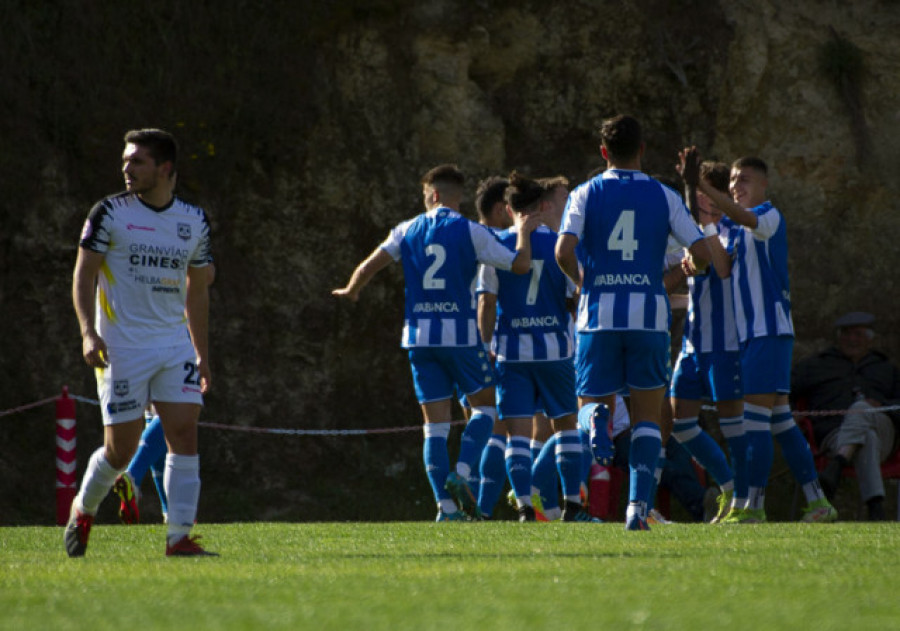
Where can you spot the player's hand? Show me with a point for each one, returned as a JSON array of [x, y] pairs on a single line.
[[93, 349], [688, 266], [346, 293], [204, 376], [689, 166]]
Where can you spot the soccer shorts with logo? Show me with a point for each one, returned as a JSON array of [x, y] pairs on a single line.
[[608, 361], [441, 372], [766, 364], [136, 376]]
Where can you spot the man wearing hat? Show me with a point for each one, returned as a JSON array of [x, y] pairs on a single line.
[[852, 376]]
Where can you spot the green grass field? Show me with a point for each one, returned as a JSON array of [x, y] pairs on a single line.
[[500, 575]]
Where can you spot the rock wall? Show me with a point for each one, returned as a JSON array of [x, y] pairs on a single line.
[[305, 132]]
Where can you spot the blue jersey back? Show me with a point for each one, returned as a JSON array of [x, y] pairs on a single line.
[[623, 220], [440, 251], [761, 285], [533, 321]]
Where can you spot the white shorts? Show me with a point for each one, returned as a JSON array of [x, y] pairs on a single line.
[[136, 376]]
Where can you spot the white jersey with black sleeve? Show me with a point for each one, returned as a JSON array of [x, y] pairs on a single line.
[[142, 285]]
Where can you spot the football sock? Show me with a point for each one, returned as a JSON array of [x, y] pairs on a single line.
[[569, 463], [493, 473], [794, 446], [474, 438], [643, 457], [760, 451], [434, 455], [701, 446], [151, 449], [518, 468], [657, 476], [182, 482], [99, 478], [733, 430], [536, 446], [544, 474], [158, 472]]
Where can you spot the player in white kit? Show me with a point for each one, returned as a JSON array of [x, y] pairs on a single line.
[[140, 290]]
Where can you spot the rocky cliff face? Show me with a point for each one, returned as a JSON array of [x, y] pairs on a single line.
[[306, 133]]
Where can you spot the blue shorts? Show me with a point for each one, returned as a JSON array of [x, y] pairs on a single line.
[[766, 364], [715, 376], [524, 388], [441, 372], [608, 361]]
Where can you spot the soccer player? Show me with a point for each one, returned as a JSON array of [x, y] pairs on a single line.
[[762, 303], [144, 327], [534, 350], [440, 251], [709, 363], [620, 221], [150, 456]]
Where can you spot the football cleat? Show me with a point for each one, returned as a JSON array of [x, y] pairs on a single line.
[[636, 516], [526, 513], [128, 499], [724, 501], [752, 516], [459, 488], [188, 547], [78, 529], [655, 517], [576, 512], [454, 516], [820, 512]]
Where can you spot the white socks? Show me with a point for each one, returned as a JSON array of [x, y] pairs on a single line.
[[182, 484]]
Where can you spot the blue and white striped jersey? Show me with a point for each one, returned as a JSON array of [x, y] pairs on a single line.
[[623, 220], [533, 323], [440, 251], [762, 295], [710, 323]]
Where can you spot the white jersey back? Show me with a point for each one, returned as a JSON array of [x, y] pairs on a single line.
[[710, 324], [142, 284]]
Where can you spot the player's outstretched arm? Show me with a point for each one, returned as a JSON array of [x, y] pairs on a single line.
[[84, 282], [365, 271]]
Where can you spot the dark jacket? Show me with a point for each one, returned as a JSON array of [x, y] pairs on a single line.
[[830, 381]]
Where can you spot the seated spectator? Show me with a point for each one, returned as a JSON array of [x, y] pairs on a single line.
[[852, 376]]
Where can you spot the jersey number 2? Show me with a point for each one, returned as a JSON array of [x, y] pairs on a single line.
[[429, 279], [622, 236]]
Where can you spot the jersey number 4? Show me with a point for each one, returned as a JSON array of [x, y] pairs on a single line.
[[622, 236]]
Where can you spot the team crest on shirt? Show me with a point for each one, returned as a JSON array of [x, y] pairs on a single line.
[[184, 231], [120, 387]]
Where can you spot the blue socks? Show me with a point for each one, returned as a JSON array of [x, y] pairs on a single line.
[[518, 468], [702, 447], [493, 473], [760, 452], [793, 445], [733, 431], [570, 464], [646, 443], [151, 451], [474, 438], [437, 461]]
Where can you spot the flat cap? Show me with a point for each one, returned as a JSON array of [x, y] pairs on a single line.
[[855, 318]]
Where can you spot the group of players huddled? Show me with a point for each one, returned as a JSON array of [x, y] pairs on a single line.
[[489, 315]]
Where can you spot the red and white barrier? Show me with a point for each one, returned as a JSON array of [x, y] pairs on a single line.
[[65, 456]]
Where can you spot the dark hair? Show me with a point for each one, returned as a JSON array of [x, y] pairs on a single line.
[[523, 192], [161, 145], [621, 135], [751, 162], [444, 174], [716, 173], [489, 192]]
